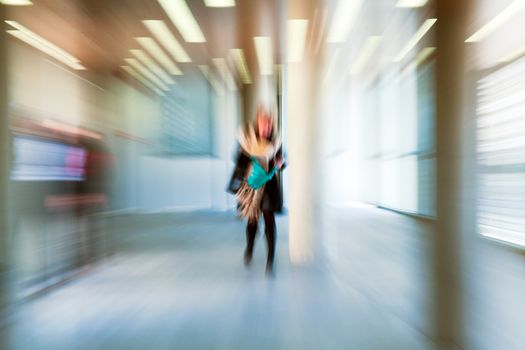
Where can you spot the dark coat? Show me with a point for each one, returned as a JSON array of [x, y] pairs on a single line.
[[272, 199]]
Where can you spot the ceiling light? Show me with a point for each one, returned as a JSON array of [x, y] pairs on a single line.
[[263, 46], [420, 58], [160, 30], [155, 51], [296, 39], [43, 45], [496, 22], [369, 47], [154, 67], [424, 54], [344, 17], [145, 72], [180, 14], [242, 66], [513, 55], [205, 70], [223, 69], [143, 80], [137, 76], [219, 3], [411, 3], [211, 79], [425, 27], [16, 2]]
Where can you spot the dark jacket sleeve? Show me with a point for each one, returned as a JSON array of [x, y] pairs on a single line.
[[239, 172], [273, 189]]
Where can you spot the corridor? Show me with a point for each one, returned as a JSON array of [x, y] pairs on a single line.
[[140, 140], [176, 281]]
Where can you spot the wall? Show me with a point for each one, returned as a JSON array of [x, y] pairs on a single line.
[[183, 183], [48, 244], [45, 242], [187, 116], [168, 182], [175, 183], [139, 115], [42, 89]]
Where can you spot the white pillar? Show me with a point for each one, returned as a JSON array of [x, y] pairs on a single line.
[[304, 148]]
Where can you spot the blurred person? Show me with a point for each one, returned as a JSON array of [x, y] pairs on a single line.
[[92, 198], [254, 182]]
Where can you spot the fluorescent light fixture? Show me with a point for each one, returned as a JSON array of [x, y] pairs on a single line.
[[151, 65], [513, 55], [143, 80], [43, 45], [263, 46], [211, 79], [242, 66], [343, 20], [205, 70], [155, 51], [425, 27], [16, 2], [224, 71], [369, 47], [297, 29], [507, 13], [160, 30], [420, 58], [424, 54], [219, 3], [411, 3], [180, 14], [145, 72]]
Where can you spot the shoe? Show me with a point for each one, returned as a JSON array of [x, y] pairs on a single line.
[[247, 257], [270, 271]]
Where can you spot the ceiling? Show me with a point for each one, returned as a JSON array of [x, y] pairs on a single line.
[[101, 32]]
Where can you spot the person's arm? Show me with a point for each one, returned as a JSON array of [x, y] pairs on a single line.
[[239, 172], [280, 163]]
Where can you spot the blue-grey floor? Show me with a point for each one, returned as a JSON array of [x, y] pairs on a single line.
[[176, 281]]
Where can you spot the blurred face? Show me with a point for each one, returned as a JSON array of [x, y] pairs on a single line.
[[264, 124]]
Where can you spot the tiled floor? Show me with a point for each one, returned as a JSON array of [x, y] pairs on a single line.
[[178, 282]]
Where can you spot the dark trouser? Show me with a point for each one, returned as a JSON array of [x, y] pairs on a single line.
[[269, 230]]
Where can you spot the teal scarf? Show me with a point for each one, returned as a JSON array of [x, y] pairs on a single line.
[[259, 176]]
